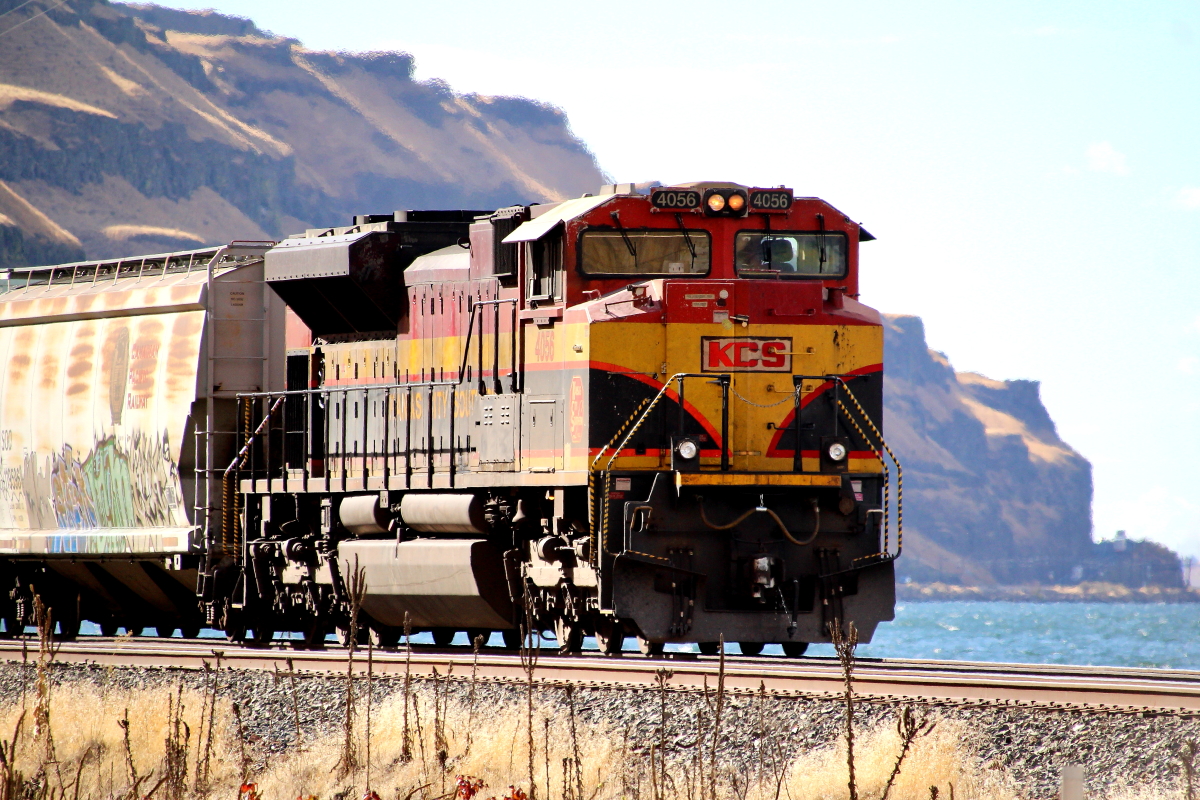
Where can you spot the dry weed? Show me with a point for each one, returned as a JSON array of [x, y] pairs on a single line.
[[89, 742], [584, 761], [943, 757]]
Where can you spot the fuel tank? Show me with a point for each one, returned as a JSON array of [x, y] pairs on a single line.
[[450, 583]]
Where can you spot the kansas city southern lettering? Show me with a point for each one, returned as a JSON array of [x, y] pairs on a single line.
[[745, 354]]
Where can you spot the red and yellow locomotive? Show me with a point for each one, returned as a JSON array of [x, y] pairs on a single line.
[[645, 414]]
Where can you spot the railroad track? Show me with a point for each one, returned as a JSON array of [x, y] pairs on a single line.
[[1096, 689]]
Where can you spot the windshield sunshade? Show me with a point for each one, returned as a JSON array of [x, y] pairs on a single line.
[[642, 252]]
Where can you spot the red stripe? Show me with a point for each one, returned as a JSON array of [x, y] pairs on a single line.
[[657, 386], [773, 449]]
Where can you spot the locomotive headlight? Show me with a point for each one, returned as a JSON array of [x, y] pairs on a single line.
[[737, 202], [716, 202], [687, 449], [837, 451]]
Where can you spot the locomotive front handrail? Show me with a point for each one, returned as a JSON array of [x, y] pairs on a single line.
[[840, 381], [641, 414]]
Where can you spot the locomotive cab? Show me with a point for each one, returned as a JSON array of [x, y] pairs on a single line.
[[623, 413]]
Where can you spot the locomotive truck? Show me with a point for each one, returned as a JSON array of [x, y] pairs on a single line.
[[652, 414]]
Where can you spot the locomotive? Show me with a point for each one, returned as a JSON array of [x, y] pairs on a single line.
[[638, 413]]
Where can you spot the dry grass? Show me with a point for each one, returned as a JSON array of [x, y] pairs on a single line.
[[943, 758], [86, 729], [86, 725]]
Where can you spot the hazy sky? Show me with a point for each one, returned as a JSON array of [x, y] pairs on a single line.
[[1032, 171]]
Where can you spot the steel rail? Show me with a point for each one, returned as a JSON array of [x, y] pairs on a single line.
[[1119, 690]]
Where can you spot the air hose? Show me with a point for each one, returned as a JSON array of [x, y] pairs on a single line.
[[763, 508]]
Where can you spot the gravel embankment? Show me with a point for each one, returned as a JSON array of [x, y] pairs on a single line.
[[1031, 745]]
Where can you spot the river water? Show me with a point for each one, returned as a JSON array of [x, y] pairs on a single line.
[[1108, 634]]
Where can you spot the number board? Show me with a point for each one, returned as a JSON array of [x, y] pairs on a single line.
[[675, 199], [778, 201]]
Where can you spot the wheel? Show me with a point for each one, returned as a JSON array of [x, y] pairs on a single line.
[[263, 631], [610, 636], [68, 630], [442, 637], [569, 635], [751, 648], [709, 648], [385, 636], [794, 649], [234, 624], [109, 628], [314, 634], [164, 630], [512, 638], [343, 635], [66, 614], [190, 630], [648, 648], [475, 633]]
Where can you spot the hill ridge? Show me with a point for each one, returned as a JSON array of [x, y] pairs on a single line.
[[142, 128]]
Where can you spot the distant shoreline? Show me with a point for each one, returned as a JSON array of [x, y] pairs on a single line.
[[1078, 593]]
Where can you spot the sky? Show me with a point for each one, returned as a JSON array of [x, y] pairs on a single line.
[[1031, 171]]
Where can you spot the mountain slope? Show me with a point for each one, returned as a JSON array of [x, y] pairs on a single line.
[[136, 128], [992, 494]]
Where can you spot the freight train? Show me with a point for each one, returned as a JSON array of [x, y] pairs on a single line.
[[654, 414]]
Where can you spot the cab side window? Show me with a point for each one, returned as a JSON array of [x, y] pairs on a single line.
[[545, 267]]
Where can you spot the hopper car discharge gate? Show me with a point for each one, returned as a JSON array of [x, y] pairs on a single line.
[[617, 415]]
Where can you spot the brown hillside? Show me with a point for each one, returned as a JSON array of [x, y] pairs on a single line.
[[129, 129]]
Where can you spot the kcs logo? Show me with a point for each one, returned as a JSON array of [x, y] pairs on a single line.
[[745, 354]]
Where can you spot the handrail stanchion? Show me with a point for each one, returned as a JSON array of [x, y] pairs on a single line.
[[513, 384], [306, 441], [496, 387], [429, 451], [724, 423], [345, 413], [408, 436], [453, 394], [387, 432], [284, 454], [482, 386], [682, 412], [798, 455], [366, 435]]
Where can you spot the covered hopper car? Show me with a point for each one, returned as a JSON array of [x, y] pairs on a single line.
[[653, 414]]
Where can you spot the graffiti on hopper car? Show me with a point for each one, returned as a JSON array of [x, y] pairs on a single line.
[[124, 482]]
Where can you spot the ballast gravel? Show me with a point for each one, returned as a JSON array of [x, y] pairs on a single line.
[[1030, 744]]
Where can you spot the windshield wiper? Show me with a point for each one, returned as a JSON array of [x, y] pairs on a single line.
[[687, 237], [766, 243], [821, 245], [624, 236]]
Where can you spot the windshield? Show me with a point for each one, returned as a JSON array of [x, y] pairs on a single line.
[[642, 252], [789, 254]]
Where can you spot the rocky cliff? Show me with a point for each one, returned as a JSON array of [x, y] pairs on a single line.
[[991, 493], [131, 129]]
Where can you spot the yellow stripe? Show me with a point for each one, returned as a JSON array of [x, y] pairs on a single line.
[[754, 479]]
